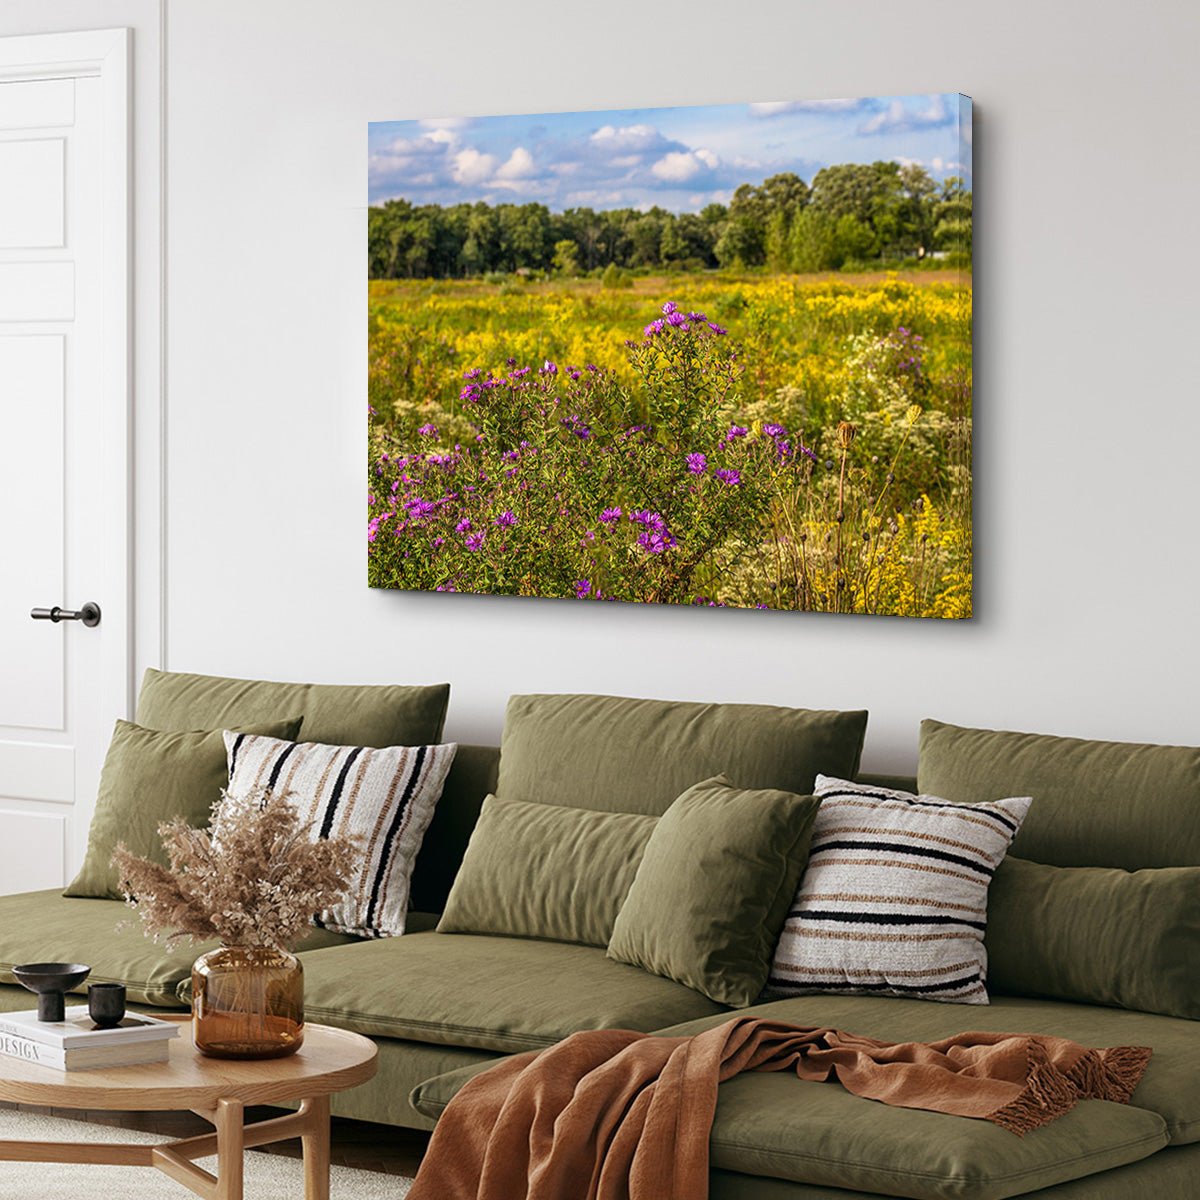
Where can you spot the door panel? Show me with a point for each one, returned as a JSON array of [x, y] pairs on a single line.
[[31, 527], [31, 851], [32, 214]]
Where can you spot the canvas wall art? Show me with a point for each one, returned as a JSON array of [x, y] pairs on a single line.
[[704, 356]]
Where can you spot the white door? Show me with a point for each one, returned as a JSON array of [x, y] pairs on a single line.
[[64, 432]]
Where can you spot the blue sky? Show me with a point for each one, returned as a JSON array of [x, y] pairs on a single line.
[[678, 158]]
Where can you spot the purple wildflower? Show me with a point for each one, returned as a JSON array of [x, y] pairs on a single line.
[[670, 307], [774, 431], [697, 464], [610, 516], [473, 374], [729, 476], [474, 541], [506, 519], [653, 328], [716, 328], [464, 525], [548, 368], [697, 318], [737, 431], [677, 318], [582, 588]]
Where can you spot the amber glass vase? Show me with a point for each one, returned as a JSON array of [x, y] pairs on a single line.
[[248, 1002]]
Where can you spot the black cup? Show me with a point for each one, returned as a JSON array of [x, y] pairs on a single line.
[[106, 1004]]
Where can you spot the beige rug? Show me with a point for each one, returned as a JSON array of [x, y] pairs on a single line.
[[267, 1176]]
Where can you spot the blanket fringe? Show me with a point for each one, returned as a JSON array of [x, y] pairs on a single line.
[[1110, 1074], [1048, 1093]]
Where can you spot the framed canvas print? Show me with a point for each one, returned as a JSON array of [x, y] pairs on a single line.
[[706, 355]]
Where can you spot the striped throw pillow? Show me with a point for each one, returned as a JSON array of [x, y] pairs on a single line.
[[894, 898], [385, 796]]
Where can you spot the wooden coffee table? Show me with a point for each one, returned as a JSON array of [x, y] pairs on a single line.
[[331, 1060]]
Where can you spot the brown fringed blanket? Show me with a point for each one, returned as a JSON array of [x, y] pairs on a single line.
[[609, 1114]]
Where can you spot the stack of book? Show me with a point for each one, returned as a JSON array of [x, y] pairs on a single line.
[[76, 1044]]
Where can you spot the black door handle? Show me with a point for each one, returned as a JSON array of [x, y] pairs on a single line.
[[89, 614]]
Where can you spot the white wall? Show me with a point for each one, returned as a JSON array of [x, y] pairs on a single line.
[[1088, 424]]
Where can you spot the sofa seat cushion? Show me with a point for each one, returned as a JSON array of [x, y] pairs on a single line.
[[1170, 1087], [50, 927], [488, 993], [775, 1125]]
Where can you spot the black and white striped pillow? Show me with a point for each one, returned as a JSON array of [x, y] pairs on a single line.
[[894, 898], [385, 796]]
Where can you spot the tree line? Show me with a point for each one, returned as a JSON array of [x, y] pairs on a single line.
[[853, 212]]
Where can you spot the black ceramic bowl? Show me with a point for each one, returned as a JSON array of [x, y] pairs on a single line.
[[50, 980]]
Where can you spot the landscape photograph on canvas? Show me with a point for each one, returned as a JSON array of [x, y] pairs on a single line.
[[714, 355]]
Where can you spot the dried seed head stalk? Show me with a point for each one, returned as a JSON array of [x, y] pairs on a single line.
[[256, 879]]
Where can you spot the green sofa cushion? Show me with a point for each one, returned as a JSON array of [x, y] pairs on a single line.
[[714, 886], [50, 927], [775, 1125], [335, 714], [151, 776], [544, 871], [487, 993], [1168, 1175], [623, 755], [1170, 1086], [1098, 935], [1095, 804]]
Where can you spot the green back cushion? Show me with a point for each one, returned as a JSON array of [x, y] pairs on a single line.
[[150, 776], [543, 871], [616, 754], [1098, 935], [334, 714], [1095, 804], [714, 886]]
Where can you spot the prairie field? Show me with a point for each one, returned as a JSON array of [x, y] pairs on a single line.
[[776, 441]]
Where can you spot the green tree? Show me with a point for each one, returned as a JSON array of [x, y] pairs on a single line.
[[566, 257]]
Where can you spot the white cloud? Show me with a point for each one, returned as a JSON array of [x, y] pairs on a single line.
[[681, 165], [471, 167], [519, 165], [445, 137], [627, 139], [898, 119]]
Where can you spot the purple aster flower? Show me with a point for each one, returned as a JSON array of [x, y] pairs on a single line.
[[677, 318], [475, 374], [474, 541], [510, 362], [729, 476], [697, 318], [774, 431], [506, 519], [737, 431], [548, 368], [716, 328], [670, 307], [653, 328], [610, 516], [697, 464], [582, 588], [464, 525]]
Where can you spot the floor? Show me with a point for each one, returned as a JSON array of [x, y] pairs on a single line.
[[382, 1148]]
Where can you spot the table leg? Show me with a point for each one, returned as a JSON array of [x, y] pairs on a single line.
[[315, 1141], [229, 1122]]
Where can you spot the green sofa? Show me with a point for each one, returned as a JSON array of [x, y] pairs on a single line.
[[443, 1006]]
